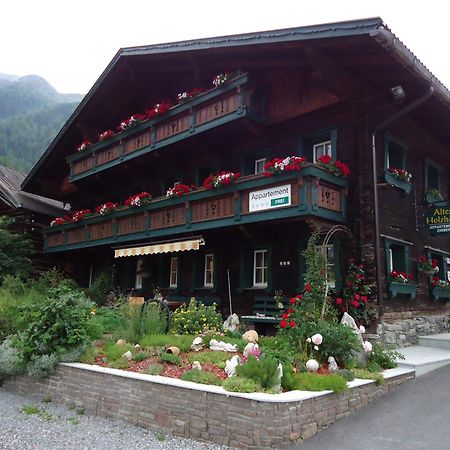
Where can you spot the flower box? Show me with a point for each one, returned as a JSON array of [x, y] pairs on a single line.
[[433, 199], [438, 293], [395, 181], [402, 288]]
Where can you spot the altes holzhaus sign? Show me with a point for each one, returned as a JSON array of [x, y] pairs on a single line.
[[437, 219]]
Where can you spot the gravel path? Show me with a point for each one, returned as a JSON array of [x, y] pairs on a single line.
[[26, 424]]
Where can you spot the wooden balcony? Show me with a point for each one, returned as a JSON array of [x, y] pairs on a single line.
[[256, 198], [225, 103]]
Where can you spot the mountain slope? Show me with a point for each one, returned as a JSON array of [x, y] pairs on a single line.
[[31, 114]]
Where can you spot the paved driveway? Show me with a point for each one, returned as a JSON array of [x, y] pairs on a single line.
[[416, 416]]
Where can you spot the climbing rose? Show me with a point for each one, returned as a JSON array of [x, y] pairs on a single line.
[[357, 297], [292, 324], [293, 300], [283, 324], [307, 287], [339, 301], [285, 316], [355, 303], [364, 298]]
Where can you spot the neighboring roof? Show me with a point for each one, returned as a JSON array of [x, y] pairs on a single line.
[[13, 196], [373, 29]]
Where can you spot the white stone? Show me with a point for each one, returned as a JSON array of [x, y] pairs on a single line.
[[231, 323], [231, 364], [197, 344], [222, 346], [128, 355], [250, 336], [197, 365], [138, 347], [348, 320], [332, 364], [312, 365], [277, 385], [121, 342]]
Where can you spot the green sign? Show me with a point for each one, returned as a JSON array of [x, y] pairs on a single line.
[[279, 201], [437, 219]]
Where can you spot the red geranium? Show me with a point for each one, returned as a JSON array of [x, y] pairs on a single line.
[[292, 324], [307, 287], [84, 145], [138, 199], [159, 109], [220, 180], [339, 301], [337, 168], [283, 324], [278, 165]]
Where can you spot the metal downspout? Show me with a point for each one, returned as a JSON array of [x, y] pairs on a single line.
[[378, 128]]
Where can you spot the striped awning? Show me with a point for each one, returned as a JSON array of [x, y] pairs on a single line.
[[164, 247]]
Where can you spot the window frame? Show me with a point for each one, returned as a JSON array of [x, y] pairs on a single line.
[[429, 251], [329, 147], [260, 160], [429, 163], [407, 246], [265, 268], [173, 259], [309, 140], [388, 138], [207, 271], [138, 279]]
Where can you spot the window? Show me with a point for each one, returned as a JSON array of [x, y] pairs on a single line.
[[259, 165], [321, 149], [395, 154], [443, 262], [432, 176], [260, 268], [173, 277], [397, 255], [209, 270], [139, 272], [328, 253]]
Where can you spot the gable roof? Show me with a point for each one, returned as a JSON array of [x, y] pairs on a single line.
[[374, 32], [12, 195]]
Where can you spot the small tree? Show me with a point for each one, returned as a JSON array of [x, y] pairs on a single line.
[[15, 251]]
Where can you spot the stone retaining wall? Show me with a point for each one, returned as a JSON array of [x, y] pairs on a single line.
[[403, 329], [250, 421]]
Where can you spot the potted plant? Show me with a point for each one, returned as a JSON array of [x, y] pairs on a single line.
[[222, 179], [433, 196], [401, 283], [137, 200], [179, 189], [279, 166], [427, 267], [440, 288], [337, 168], [106, 208], [400, 178]]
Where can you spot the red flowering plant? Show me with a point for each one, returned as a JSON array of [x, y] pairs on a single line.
[[106, 208], [222, 78], [437, 282], [138, 199], [158, 109], [84, 145], [427, 266], [105, 135], [353, 298], [179, 189], [401, 277], [187, 96], [401, 174], [337, 168], [131, 122], [278, 165], [220, 180], [77, 216], [60, 221]]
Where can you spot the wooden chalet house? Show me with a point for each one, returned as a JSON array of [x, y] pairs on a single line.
[[304, 92], [31, 212]]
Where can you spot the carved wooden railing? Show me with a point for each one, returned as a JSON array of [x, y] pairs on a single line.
[[213, 108], [311, 192]]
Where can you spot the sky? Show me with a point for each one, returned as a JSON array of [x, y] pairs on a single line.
[[70, 43]]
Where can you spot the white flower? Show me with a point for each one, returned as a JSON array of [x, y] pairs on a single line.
[[308, 340], [317, 339], [367, 346], [362, 330], [316, 347], [280, 305]]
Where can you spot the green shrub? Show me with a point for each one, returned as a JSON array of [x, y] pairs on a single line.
[[110, 321], [114, 351], [195, 318], [288, 379], [141, 356], [202, 377], [170, 358], [385, 358], [263, 371], [315, 382], [154, 320], [102, 285], [41, 365], [121, 363], [183, 342], [10, 359], [241, 384], [276, 347], [366, 375], [154, 369], [89, 354], [214, 357], [56, 324], [347, 374]]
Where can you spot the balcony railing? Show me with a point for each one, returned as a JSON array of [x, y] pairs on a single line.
[[223, 104], [311, 192]]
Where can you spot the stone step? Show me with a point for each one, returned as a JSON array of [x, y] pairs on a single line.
[[423, 359], [436, 341]]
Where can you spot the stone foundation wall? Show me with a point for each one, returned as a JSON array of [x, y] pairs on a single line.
[[403, 329], [250, 421]]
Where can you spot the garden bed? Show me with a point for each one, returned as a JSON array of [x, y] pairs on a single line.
[[252, 421]]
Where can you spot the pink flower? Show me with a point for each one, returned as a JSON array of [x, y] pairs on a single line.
[[367, 346], [317, 339]]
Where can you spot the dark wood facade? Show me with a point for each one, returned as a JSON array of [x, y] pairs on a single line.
[[290, 94]]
